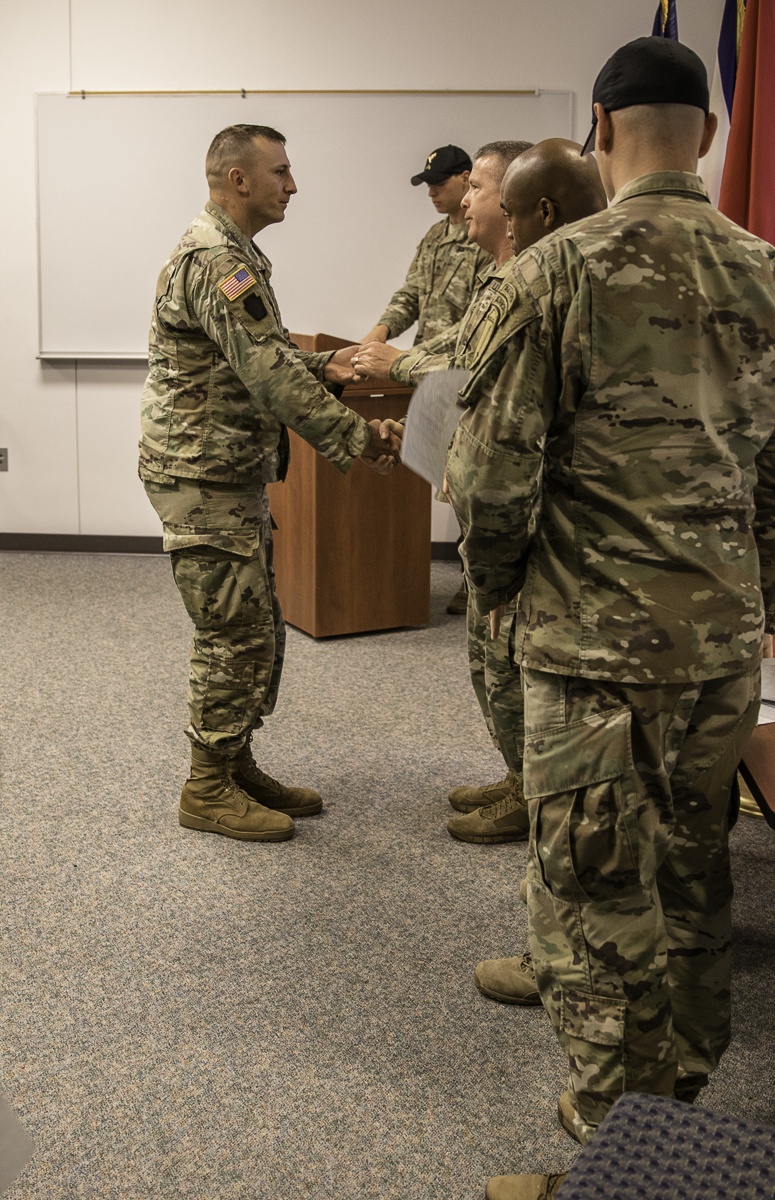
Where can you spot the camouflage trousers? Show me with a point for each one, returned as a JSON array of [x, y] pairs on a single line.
[[220, 541], [496, 681], [628, 788]]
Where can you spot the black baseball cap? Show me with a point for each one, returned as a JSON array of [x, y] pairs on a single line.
[[441, 163], [650, 70]]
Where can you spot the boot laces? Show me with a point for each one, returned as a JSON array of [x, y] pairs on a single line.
[[495, 787], [502, 808], [249, 768]]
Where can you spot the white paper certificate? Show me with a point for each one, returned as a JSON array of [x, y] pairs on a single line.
[[431, 421]]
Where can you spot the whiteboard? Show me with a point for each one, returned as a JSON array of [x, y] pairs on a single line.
[[120, 178]]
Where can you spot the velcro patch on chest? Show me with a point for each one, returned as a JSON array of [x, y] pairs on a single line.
[[238, 282]]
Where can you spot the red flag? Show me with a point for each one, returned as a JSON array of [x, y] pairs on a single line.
[[748, 183]]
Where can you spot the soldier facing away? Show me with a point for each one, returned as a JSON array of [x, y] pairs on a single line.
[[224, 382], [630, 414]]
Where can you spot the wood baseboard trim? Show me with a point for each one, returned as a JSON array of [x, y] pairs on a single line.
[[444, 552], [80, 543], [103, 544]]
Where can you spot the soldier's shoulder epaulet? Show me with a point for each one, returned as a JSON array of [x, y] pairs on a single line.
[[529, 274], [206, 233], [198, 248], [589, 230]]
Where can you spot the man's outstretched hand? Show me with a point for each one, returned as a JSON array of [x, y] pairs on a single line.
[[339, 367], [384, 449]]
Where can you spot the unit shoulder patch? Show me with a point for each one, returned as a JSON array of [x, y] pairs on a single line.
[[255, 306], [507, 293]]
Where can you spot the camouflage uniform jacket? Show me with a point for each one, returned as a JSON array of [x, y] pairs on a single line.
[[439, 284], [628, 387], [450, 347], [224, 377]]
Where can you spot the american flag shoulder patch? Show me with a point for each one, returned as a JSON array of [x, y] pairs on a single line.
[[238, 282]]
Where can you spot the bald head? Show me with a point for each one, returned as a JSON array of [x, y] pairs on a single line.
[[548, 186]]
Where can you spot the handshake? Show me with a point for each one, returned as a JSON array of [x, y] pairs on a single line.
[[371, 360], [384, 449]]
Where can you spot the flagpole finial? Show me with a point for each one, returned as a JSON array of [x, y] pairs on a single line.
[[666, 20]]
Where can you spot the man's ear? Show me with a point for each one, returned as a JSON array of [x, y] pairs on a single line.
[[237, 180], [605, 129], [708, 134], [548, 211]]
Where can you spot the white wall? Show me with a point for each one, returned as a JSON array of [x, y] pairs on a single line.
[[72, 431]]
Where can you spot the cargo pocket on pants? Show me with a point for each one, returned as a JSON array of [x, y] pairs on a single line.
[[229, 601], [592, 1032], [225, 695], [580, 785], [590, 1018]]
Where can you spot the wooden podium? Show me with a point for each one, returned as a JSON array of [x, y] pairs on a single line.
[[352, 552]]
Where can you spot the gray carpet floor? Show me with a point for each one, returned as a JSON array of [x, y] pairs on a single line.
[[188, 1016]]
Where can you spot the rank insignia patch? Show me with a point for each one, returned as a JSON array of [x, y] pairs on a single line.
[[236, 283]]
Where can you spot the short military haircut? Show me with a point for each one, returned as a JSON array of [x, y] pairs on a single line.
[[233, 145], [505, 151]]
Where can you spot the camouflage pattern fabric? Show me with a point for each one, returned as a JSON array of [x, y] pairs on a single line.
[[494, 674], [220, 540], [224, 378], [621, 396], [626, 381], [496, 681], [439, 284], [629, 903], [449, 348], [224, 382]]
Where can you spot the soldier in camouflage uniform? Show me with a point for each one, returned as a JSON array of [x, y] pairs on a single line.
[[224, 382], [625, 399], [492, 673], [442, 275], [535, 189]]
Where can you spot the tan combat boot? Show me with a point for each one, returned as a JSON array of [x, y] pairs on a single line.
[[465, 799], [510, 980], [523, 1187], [295, 801], [212, 802], [506, 821]]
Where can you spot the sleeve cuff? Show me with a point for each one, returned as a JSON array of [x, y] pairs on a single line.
[[315, 361], [401, 369], [360, 438]]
